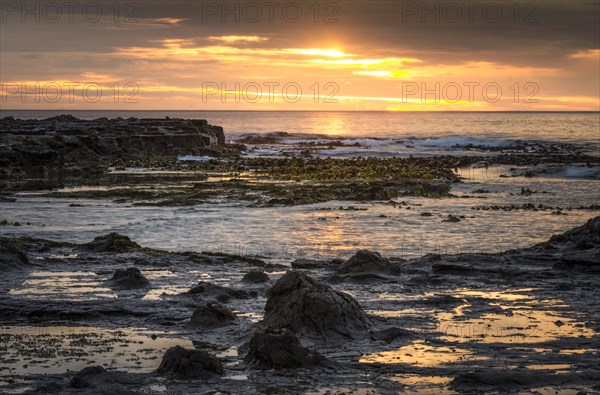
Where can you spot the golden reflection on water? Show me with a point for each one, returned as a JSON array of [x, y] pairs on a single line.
[[58, 349], [524, 321], [421, 354]]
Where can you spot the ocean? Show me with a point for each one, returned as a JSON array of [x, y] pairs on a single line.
[[436, 129]]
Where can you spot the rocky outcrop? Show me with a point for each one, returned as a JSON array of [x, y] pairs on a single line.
[[365, 261], [314, 310], [96, 379], [11, 256], [181, 363], [576, 248], [130, 278], [280, 349], [212, 315], [112, 242], [366, 266], [256, 277], [65, 146], [212, 292]]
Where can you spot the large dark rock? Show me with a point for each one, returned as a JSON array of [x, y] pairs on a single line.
[[130, 278], [280, 349], [11, 256], [312, 309], [189, 364], [208, 291], [368, 262], [256, 277], [96, 379], [212, 315], [112, 242]]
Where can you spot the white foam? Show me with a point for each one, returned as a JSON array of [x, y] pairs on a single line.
[[193, 158]]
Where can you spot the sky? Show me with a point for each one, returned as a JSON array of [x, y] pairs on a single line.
[[388, 55]]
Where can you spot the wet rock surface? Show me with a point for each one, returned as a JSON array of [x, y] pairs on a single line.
[[11, 256], [209, 291], [65, 147], [189, 364], [368, 262], [280, 349], [130, 278], [96, 378], [212, 315], [462, 320], [312, 309], [256, 277], [112, 242]]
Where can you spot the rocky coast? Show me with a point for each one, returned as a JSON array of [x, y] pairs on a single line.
[[115, 278], [151, 321]]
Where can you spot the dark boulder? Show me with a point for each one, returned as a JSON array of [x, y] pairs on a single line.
[[130, 278], [256, 277], [212, 315], [312, 309], [96, 379], [189, 364], [112, 242], [368, 262], [12, 257], [208, 291], [280, 349]]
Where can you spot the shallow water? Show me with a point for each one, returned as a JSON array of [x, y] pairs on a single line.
[[59, 349], [323, 230]]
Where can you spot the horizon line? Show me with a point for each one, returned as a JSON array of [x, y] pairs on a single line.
[[326, 111]]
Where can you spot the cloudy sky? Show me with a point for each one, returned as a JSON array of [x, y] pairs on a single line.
[[306, 55]]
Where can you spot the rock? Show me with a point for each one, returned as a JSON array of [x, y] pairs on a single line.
[[368, 262], [372, 192], [189, 364], [11, 256], [578, 248], [208, 291], [390, 334], [212, 315], [96, 379], [112, 242], [280, 349], [451, 218], [130, 278], [312, 309], [58, 147], [81, 378], [436, 188], [256, 277], [583, 237]]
